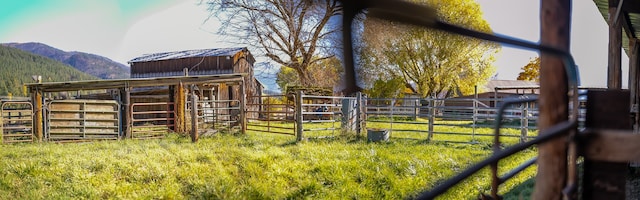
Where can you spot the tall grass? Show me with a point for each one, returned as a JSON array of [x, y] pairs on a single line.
[[252, 166]]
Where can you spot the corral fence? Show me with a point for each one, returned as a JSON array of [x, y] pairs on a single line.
[[16, 121], [82, 120], [151, 120], [450, 120], [439, 119], [325, 116], [276, 114], [214, 115]]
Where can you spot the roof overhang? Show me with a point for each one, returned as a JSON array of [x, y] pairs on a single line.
[[630, 14], [131, 83]]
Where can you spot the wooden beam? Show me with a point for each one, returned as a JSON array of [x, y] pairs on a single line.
[[606, 110], [634, 82], [38, 123], [610, 145], [614, 72], [181, 99], [194, 116], [243, 108], [555, 29], [127, 116]]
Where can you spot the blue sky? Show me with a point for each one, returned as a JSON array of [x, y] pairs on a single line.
[[124, 29]]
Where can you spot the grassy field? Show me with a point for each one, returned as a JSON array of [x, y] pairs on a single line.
[[251, 166]]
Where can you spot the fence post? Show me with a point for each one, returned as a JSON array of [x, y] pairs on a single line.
[[416, 109], [194, 116], [125, 98], [37, 111], [524, 123], [298, 118], [432, 114], [2, 123], [360, 123], [179, 108], [475, 112], [243, 108]]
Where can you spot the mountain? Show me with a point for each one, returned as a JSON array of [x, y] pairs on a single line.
[[17, 67], [92, 64]]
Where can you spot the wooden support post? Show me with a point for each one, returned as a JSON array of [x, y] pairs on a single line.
[[298, 102], [555, 29], [194, 117], [606, 110], [171, 108], [127, 112], [243, 108], [360, 113], [524, 123], [634, 82], [38, 113], [432, 118], [180, 104], [2, 124], [614, 72]]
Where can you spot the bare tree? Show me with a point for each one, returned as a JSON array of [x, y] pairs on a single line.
[[289, 32]]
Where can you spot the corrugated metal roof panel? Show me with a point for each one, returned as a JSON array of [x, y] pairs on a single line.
[[187, 54]]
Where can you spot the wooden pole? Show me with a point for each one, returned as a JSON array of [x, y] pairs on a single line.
[[614, 72], [432, 118], [243, 107], [171, 108], [180, 99], [634, 83], [37, 114], [127, 112], [555, 29], [194, 116], [299, 131]]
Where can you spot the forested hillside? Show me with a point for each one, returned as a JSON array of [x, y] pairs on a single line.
[[92, 64], [17, 67]]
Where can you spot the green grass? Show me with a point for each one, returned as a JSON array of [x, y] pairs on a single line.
[[252, 166]]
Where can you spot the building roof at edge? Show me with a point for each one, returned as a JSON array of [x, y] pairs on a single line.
[[188, 54]]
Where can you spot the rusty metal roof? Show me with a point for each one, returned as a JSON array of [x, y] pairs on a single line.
[[188, 54]]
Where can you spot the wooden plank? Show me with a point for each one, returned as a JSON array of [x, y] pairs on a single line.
[[614, 72], [634, 81], [611, 146], [605, 110], [555, 23]]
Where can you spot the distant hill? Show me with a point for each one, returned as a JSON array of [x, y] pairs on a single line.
[[92, 64], [17, 67]]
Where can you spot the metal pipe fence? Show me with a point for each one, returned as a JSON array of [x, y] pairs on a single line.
[[440, 119], [449, 120], [82, 120], [275, 115], [326, 116], [16, 121], [217, 114], [151, 120]]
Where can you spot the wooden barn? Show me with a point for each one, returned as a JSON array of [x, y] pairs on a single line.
[[204, 62]]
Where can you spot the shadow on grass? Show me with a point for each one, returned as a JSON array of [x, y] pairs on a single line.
[[522, 191]]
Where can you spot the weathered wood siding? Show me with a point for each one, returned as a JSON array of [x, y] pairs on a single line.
[[241, 62], [196, 66]]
